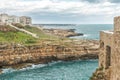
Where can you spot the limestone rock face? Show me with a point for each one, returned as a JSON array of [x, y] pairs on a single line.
[[12, 54]]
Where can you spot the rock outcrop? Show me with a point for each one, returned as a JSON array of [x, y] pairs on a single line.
[[63, 32], [12, 54], [101, 74]]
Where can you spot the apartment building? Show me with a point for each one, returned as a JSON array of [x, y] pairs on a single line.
[[25, 20], [5, 19]]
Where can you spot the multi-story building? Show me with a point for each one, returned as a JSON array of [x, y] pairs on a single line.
[[13, 19], [5, 18], [25, 20]]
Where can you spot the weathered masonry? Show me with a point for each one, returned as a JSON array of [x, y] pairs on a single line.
[[109, 57]]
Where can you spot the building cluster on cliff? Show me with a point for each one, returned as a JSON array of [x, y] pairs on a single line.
[[5, 18]]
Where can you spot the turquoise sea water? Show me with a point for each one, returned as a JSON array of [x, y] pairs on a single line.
[[73, 70], [90, 31]]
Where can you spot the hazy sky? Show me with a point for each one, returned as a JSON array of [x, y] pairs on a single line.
[[64, 11]]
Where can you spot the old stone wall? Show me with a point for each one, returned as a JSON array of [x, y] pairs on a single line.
[[109, 57], [106, 39], [115, 68]]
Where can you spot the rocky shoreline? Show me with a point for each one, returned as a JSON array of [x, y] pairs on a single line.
[[63, 32], [19, 56]]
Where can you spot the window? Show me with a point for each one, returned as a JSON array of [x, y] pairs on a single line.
[[108, 56], [101, 45]]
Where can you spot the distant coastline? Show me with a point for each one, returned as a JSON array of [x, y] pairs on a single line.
[[55, 24]]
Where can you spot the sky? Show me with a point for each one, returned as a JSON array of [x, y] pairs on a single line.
[[64, 11]]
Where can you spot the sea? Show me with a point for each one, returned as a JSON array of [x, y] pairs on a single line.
[[90, 31], [60, 70]]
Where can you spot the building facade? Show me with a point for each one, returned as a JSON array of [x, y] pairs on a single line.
[[13, 19], [25, 20], [109, 57], [5, 18]]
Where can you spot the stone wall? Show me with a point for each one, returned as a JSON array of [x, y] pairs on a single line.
[[106, 49], [106, 39], [115, 74], [109, 57]]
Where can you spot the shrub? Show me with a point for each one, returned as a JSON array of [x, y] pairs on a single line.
[[27, 26], [7, 28], [18, 25], [30, 41]]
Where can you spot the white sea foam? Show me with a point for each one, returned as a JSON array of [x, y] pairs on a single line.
[[86, 35], [54, 62], [10, 70]]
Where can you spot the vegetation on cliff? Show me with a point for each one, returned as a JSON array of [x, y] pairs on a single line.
[[6, 28], [40, 33], [11, 35], [16, 37]]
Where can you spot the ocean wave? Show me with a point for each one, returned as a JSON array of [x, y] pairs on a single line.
[[33, 66], [8, 70], [86, 35]]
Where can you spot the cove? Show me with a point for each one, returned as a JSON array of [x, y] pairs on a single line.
[[70, 70]]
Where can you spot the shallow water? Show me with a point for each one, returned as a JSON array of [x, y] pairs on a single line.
[[72, 70]]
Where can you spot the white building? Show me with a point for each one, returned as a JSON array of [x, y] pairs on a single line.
[[25, 20], [5, 18], [13, 19]]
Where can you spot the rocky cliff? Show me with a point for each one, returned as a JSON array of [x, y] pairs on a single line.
[[12, 54]]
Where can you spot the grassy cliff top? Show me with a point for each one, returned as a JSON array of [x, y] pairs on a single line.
[[16, 37], [10, 35], [40, 33]]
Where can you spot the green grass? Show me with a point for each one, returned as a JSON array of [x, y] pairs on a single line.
[[16, 37], [23, 38], [40, 33]]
